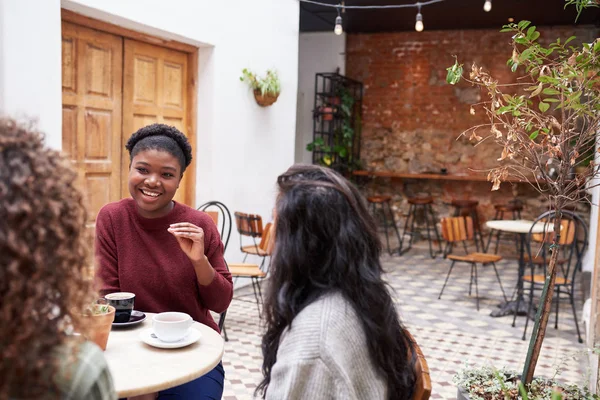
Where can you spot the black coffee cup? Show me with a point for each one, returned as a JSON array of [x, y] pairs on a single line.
[[123, 304]]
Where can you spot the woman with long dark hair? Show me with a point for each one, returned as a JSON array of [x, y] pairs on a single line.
[[332, 329]]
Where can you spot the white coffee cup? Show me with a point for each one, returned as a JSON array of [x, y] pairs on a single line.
[[171, 326]]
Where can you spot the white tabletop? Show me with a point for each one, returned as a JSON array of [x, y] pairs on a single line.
[[519, 226], [138, 368]]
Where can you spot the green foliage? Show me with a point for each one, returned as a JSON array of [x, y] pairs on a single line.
[[580, 5], [488, 382], [96, 309], [454, 73], [270, 84]]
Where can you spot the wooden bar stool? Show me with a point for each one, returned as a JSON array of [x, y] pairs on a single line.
[[425, 205], [467, 208], [382, 204], [512, 208]]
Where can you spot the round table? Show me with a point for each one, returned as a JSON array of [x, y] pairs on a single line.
[[138, 368], [522, 228]]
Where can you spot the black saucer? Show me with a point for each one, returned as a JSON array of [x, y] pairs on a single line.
[[135, 318]]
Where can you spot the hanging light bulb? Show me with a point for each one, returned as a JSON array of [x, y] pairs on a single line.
[[338, 30], [419, 23], [487, 6]]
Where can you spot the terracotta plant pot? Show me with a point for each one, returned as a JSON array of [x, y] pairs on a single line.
[[326, 113], [266, 100], [99, 327]]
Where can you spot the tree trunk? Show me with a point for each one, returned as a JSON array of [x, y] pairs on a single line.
[[543, 312]]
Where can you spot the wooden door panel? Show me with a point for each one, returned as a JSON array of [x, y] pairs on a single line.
[[92, 67], [154, 90]]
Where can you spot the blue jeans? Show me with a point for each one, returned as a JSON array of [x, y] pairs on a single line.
[[207, 387]]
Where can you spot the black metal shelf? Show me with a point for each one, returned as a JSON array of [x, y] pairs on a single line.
[[337, 111]]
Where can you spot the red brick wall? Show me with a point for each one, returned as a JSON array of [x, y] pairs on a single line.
[[412, 117]]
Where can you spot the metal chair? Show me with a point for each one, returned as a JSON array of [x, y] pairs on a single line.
[[573, 242], [459, 230], [222, 218], [424, 205], [380, 207], [514, 207]]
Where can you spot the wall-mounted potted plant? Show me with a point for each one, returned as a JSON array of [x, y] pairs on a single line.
[[266, 90], [98, 319]]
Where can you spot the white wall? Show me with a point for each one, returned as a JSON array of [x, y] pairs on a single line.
[[317, 52], [30, 69], [241, 148]]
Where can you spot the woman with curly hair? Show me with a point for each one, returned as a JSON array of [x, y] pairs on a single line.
[[43, 262], [332, 329], [168, 254]]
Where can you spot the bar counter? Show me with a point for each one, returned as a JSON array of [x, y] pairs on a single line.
[[445, 177]]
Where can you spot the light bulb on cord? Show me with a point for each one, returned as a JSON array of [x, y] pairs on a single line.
[[487, 6], [419, 24], [338, 30]]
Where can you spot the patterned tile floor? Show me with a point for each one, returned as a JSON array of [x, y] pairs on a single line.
[[451, 332]]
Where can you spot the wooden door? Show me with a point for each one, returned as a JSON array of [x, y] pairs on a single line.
[[155, 89], [92, 64]]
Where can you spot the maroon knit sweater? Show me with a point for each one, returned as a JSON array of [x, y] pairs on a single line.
[[138, 255]]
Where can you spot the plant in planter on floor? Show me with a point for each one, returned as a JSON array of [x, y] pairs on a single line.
[[552, 112], [266, 90]]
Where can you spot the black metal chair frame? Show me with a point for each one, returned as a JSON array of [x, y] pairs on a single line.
[[574, 255], [224, 227], [429, 217], [387, 209], [516, 214]]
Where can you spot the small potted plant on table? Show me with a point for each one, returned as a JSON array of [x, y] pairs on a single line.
[[98, 319]]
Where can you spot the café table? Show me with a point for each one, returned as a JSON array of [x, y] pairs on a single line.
[[138, 368], [522, 228]]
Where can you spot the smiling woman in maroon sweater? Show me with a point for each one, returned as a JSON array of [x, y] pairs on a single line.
[[168, 254]]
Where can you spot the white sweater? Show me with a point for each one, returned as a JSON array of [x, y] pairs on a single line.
[[325, 356]]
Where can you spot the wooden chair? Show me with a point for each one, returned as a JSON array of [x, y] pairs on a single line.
[[253, 271], [423, 378], [457, 230], [251, 226]]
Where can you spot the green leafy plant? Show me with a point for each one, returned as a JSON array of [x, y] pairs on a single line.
[[580, 5], [96, 309], [270, 84], [551, 113], [485, 383]]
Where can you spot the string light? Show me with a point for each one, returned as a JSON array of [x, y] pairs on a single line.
[[338, 20], [487, 6], [419, 23], [338, 30]]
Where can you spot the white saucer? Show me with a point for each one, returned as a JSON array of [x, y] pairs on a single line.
[[148, 337]]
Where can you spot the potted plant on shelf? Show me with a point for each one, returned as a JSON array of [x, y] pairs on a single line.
[[338, 153], [266, 90], [552, 112], [98, 319]]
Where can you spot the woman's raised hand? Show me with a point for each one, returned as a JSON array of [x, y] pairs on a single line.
[[190, 238]]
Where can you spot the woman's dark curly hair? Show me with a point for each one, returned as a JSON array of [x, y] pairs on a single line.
[[161, 137], [326, 241], [44, 260]]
